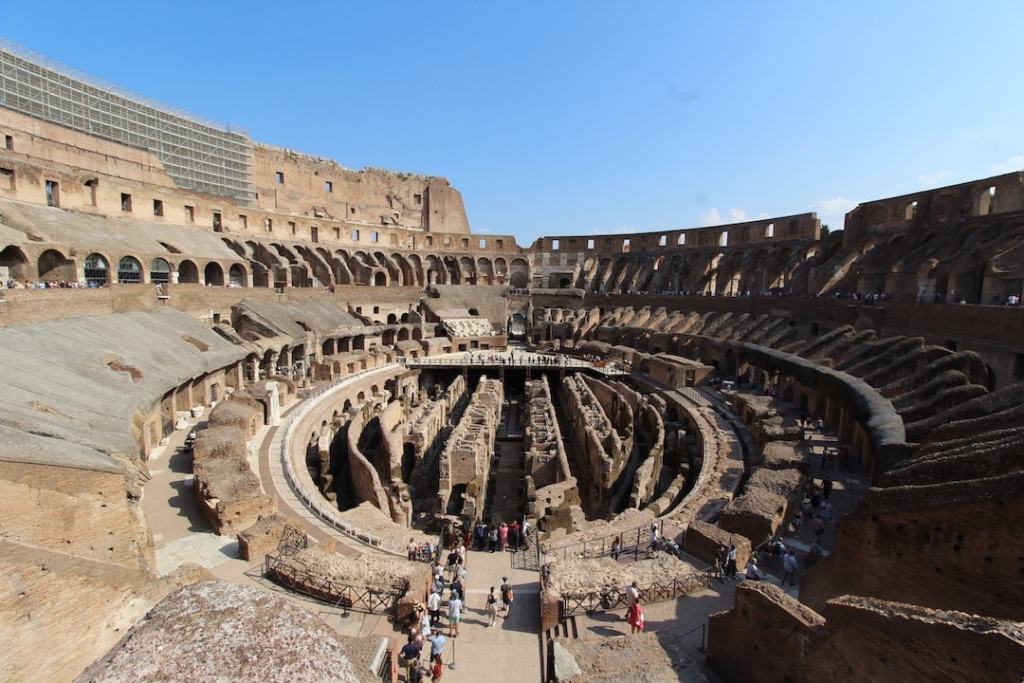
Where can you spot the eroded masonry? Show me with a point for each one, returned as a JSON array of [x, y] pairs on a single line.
[[328, 366]]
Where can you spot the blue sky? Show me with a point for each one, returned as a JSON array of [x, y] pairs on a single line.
[[576, 117]]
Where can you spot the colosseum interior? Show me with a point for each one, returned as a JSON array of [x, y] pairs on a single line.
[[251, 394]]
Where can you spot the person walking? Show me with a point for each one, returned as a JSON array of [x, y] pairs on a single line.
[[506, 596], [437, 641], [616, 548], [789, 566], [437, 670], [434, 607], [635, 617], [454, 614], [492, 537], [632, 598], [410, 653], [513, 535], [730, 562], [492, 607], [503, 536]]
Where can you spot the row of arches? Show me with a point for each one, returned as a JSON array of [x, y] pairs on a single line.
[[98, 269], [736, 272], [280, 265]]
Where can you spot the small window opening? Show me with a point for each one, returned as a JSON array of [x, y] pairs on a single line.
[[355, 235], [158, 207], [625, 246], [555, 245], [190, 213], [6, 179], [268, 224], [590, 244], [279, 177], [9, 142], [126, 202], [374, 237], [663, 241], [52, 193], [681, 240], [90, 191], [328, 186], [292, 227], [482, 244], [243, 221], [218, 223], [770, 230], [417, 199]]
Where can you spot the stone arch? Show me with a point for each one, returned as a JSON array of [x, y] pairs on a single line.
[[188, 272], [129, 270], [159, 271], [97, 270], [519, 274], [380, 279], [237, 276], [500, 271], [213, 274], [53, 265], [467, 270], [403, 334], [484, 271], [16, 262]]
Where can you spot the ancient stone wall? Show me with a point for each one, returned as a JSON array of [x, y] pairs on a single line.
[[596, 454], [770, 638], [465, 461]]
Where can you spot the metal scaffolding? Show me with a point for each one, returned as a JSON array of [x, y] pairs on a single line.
[[198, 156]]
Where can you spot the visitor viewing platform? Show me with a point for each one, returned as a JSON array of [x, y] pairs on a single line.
[[513, 359]]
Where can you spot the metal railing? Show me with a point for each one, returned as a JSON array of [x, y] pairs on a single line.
[[359, 598], [603, 600], [634, 541]]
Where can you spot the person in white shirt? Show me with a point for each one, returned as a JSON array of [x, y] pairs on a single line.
[[434, 608], [753, 573]]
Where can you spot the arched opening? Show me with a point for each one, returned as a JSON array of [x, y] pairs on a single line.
[[129, 271], [986, 202], [188, 272], [53, 266], [13, 258], [97, 270], [417, 333], [723, 238], [910, 211], [236, 276], [214, 274], [519, 276], [517, 326], [380, 279], [403, 334], [392, 319], [159, 271]]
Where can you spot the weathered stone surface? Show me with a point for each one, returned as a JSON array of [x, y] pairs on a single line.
[[216, 631], [709, 543]]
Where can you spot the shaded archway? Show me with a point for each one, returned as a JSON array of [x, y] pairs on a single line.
[[14, 259], [237, 276], [214, 274], [54, 266], [188, 272]]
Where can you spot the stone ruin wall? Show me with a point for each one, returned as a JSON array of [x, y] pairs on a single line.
[[770, 638], [466, 458], [552, 497]]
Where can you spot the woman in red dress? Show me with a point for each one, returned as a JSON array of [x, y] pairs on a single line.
[[636, 618]]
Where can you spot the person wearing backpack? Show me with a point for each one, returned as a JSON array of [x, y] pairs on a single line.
[[506, 596]]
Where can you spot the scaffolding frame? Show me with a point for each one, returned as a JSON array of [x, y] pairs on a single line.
[[198, 156]]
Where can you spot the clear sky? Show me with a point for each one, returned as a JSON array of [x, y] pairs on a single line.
[[575, 117]]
